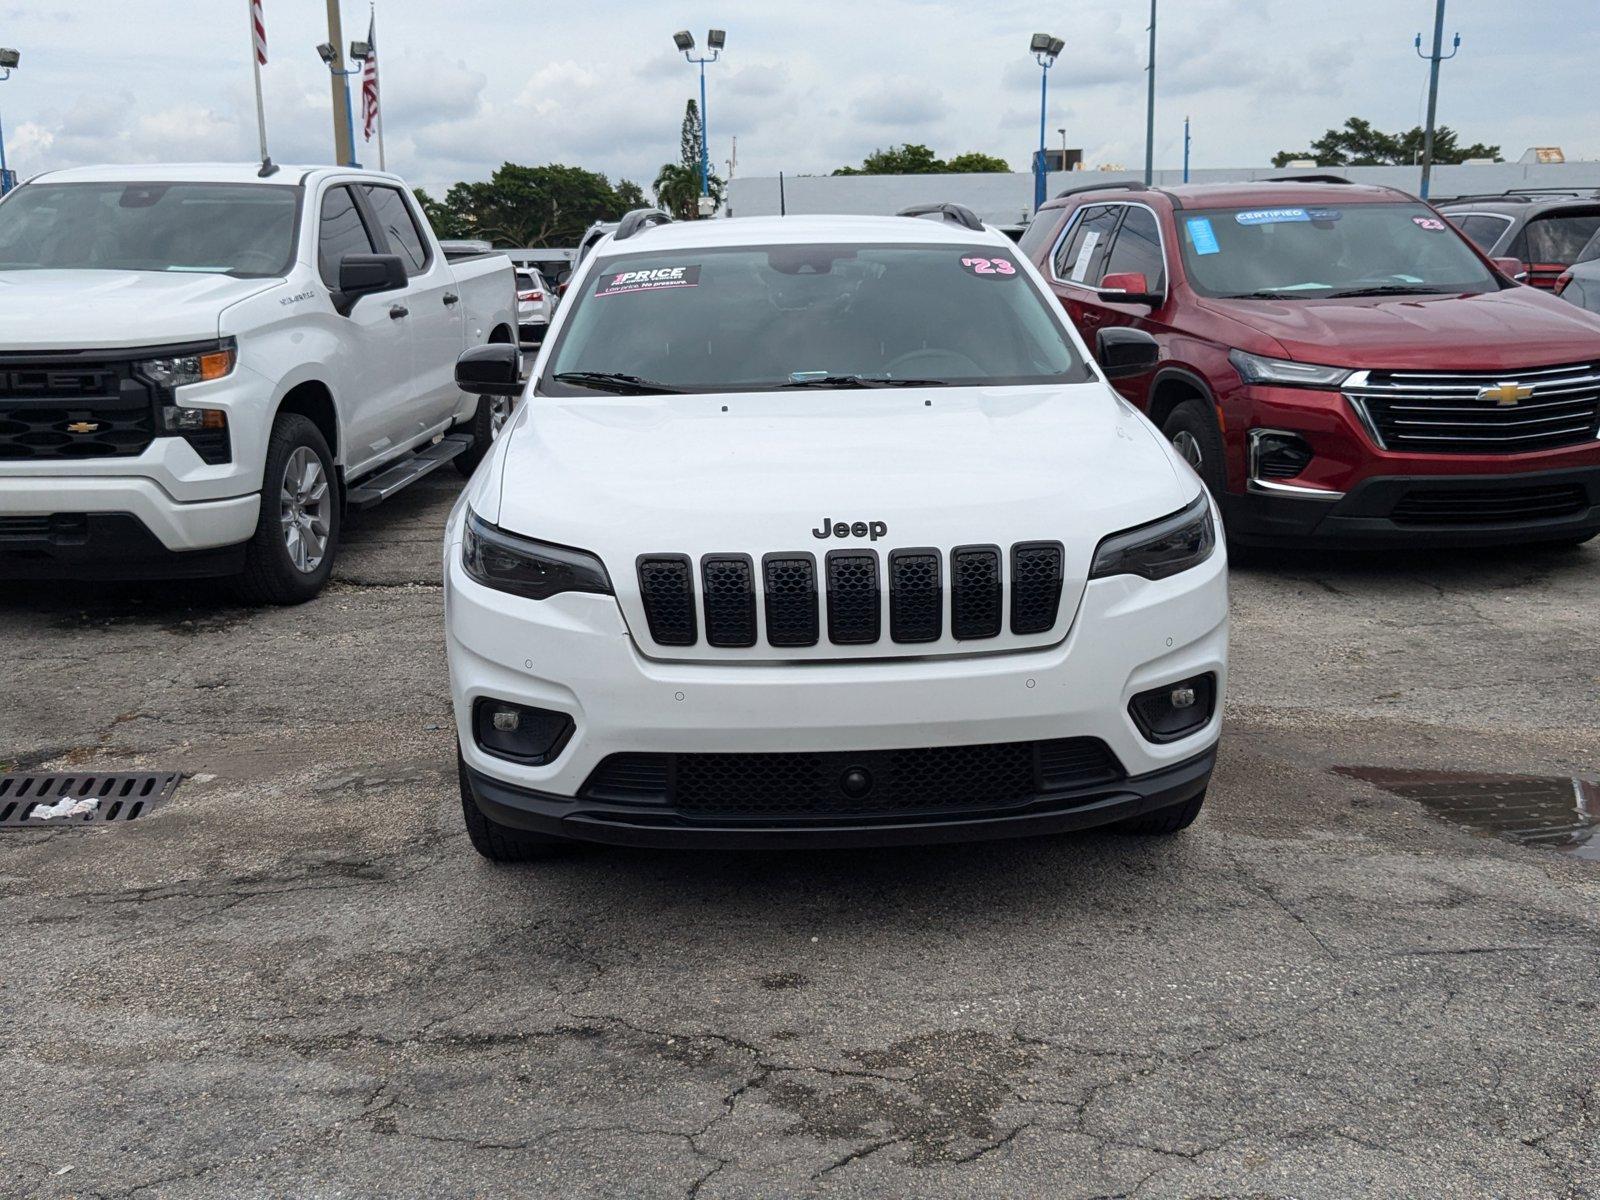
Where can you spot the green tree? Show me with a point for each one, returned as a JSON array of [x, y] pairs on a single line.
[[689, 136], [677, 189], [530, 206], [976, 162], [1360, 144], [909, 159]]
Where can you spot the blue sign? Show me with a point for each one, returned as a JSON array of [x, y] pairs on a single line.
[[1271, 216], [1201, 236]]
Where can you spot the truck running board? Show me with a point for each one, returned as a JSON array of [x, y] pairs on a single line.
[[378, 488]]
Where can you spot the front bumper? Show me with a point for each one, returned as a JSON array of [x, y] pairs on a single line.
[[573, 654], [1426, 510]]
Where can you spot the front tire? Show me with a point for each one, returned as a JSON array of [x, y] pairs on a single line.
[[1193, 432], [290, 557], [487, 421], [1163, 822], [497, 842]]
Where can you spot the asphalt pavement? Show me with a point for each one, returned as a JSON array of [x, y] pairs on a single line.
[[295, 978]]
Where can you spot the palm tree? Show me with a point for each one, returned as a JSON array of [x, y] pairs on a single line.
[[677, 189]]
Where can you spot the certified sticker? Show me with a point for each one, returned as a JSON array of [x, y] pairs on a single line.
[[1271, 216], [994, 268], [649, 279]]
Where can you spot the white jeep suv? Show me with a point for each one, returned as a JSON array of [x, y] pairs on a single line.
[[822, 531]]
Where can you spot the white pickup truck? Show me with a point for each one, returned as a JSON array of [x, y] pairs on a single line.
[[201, 367]]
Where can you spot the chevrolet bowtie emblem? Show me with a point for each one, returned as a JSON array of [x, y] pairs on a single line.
[[83, 426], [1505, 394]]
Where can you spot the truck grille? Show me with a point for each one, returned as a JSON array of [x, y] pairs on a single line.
[[804, 783], [852, 583], [1461, 412], [72, 410]]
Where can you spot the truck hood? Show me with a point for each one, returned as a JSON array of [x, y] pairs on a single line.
[[761, 473], [85, 310], [1517, 327]]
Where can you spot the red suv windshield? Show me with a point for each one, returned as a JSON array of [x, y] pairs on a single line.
[[1315, 251]]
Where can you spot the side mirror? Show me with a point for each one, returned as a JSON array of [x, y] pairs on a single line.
[[1128, 287], [1123, 352], [1515, 268], [363, 274], [494, 369]]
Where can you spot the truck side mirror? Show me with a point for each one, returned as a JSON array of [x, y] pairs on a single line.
[[363, 274], [1123, 352], [494, 369]]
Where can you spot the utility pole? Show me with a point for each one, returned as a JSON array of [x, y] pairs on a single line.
[[343, 150], [1150, 105], [1434, 60], [1186, 149]]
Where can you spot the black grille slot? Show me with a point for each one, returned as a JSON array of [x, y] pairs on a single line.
[[730, 599], [666, 586], [975, 591], [1488, 506], [854, 607], [1506, 412], [802, 784], [790, 585], [23, 382], [916, 596], [95, 797], [72, 411], [1035, 586], [58, 529]]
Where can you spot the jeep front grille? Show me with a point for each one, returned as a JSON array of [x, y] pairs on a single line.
[[853, 587], [1440, 412]]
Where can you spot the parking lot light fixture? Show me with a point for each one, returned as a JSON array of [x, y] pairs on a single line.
[[329, 55], [716, 39], [8, 60], [1045, 48]]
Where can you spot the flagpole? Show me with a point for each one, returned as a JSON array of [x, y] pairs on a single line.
[[377, 83], [256, 40]]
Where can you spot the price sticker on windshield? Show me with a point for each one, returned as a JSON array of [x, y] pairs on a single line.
[[650, 279], [994, 268]]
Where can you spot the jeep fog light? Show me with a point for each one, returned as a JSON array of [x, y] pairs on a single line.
[[1174, 710], [532, 736]]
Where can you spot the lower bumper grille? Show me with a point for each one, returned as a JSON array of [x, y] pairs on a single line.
[[855, 783], [1480, 506]]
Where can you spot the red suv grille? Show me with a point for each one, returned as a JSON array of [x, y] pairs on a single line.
[[1478, 412]]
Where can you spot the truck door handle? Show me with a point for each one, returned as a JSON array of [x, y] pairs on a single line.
[[451, 298], [396, 311]]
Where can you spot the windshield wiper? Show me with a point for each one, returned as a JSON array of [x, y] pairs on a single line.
[[1274, 294], [1390, 289], [862, 381], [612, 381]]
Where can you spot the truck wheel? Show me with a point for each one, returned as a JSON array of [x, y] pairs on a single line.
[[497, 842], [1193, 432], [289, 559], [490, 418], [1163, 821]]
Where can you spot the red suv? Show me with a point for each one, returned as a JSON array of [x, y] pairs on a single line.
[[1338, 363]]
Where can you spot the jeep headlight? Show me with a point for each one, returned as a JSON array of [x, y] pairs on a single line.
[[525, 567], [1161, 548], [1253, 368]]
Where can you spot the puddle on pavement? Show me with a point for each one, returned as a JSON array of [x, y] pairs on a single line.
[[1554, 811]]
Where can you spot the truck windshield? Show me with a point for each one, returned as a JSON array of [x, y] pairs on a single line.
[[1315, 251], [215, 228], [760, 318]]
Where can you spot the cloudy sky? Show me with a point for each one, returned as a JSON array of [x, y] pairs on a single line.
[[806, 85]]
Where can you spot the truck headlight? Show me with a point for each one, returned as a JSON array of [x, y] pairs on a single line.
[[524, 567], [1161, 548], [1253, 368], [200, 367]]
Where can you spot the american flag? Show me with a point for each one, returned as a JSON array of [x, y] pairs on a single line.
[[369, 82], [259, 25]]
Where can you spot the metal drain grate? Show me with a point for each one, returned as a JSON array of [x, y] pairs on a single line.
[[1554, 811], [81, 798]]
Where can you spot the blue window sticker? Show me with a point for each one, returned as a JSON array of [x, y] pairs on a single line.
[[1271, 216], [1201, 236]]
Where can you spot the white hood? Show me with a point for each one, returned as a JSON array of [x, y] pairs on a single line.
[[82, 310], [940, 467]]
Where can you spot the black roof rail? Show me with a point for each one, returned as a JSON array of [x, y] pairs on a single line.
[[638, 221], [1308, 179], [1126, 185], [1524, 195], [959, 213]]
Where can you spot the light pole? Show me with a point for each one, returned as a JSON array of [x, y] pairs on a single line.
[[358, 51], [8, 60], [1063, 134], [1045, 48], [1150, 106], [1434, 60], [1186, 149], [716, 39]]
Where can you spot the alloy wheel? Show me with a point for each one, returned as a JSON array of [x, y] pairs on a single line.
[[305, 508], [1188, 446]]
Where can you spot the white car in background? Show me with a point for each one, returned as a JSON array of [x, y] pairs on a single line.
[[1580, 283], [536, 305], [827, 531]]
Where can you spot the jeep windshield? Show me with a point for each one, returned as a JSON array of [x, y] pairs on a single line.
[[798, 317], [241, 229], [1314, 251]]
